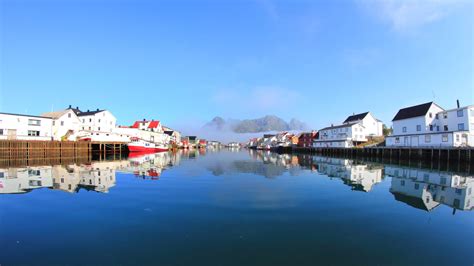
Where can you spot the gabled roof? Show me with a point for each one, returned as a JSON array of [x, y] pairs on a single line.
[[54, 115], [37, 116], [154, 124], [356, 117], [75, 110], [169, 132], [413, 201], [413, 111], [89, 113], [340, 126]]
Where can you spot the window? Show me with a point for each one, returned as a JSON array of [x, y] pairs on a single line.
[[1, 131], [460, 113], [90, 119], [445, 127], [443, 181], [69, 115], [418, 127], [397, 140], [99, 120], [458, 191], [437, 128], [98, 128], [436, 116], [83, 120], [62, 123], [404, 129], [445, 138], [402, 182], [445, 115], [34, 122], [461, 126], [33, 133], [431, 115], [431, 127], [428, 138], [426, 178], [417, 186], [54, 123], [457, 137]]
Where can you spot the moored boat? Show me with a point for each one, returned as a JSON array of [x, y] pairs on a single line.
[[140, 145]]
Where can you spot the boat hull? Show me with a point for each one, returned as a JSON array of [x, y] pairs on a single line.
[[133, 148]]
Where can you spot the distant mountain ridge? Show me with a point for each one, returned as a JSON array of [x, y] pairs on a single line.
[[263, 124]]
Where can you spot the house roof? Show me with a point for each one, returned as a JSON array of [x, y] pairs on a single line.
[[169, 132], [356, 117], [154, 124], [25, 115], [89, 112], [54, 115], [413, 111], [75, 110], [340, 126]]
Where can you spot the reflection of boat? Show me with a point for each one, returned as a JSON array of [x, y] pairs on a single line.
[[140, 145]]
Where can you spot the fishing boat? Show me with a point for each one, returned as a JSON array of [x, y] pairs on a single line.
[[140, 145]]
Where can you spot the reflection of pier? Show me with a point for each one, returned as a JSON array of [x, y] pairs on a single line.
[[426, 189]]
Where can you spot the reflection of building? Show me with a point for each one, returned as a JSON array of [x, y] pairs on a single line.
[[97, 176], [22, 180], [359, 176], [426, 189]]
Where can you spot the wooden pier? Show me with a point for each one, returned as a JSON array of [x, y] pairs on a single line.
[[442, 157], [30, 152]]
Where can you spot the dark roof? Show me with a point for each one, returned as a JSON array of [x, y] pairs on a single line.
[[413, 111], [75, 110], [89, 112], [339, 126], [169, 132], [356, 117], [26, 115]]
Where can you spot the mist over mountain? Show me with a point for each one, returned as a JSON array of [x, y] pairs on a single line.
[[263, 124]]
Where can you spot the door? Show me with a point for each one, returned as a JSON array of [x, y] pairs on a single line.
[[464, 140], [11, 134], [414, 141], [406, 141]]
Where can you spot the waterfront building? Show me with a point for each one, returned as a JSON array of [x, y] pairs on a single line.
[[25, 127], [96, 121], [65, 125], [306, 139], [175, 136], [356, 129], [429, 125]]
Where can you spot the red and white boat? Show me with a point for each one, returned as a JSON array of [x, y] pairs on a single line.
[[140, 145]]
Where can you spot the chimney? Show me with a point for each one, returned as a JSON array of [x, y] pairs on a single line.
[[77, 107], [70, 106], [88, 110], [144, 120], [457, 101], [97, 109]]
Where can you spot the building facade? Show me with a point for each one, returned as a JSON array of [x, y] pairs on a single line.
[[429, 125], [353, 131], [25, 127]]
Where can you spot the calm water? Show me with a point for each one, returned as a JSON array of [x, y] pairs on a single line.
[[235, 208]]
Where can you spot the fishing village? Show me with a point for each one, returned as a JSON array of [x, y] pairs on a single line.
[[421, 132]]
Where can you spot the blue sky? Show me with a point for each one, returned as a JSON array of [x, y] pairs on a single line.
[[184, 62]]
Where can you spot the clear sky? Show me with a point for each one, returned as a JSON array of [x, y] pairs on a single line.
[[184, 62]]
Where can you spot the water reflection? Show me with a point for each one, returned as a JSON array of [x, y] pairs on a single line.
[[420, 188], [426, 190]]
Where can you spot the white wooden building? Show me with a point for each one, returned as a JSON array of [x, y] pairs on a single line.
[[354, 130], [429, 125], [65, 125], [25, 127]]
